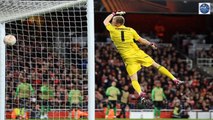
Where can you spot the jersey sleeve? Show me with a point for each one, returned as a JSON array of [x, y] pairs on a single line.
[[135, 34], [109, 27]]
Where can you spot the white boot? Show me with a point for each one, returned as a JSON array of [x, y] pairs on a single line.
[[46, 116], [42, 117]]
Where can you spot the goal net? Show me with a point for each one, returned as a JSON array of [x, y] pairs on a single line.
[[46, 70]]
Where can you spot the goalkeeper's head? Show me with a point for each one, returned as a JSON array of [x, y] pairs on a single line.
[[118, 21]]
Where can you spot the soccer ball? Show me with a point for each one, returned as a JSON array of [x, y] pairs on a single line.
[[9, 39]]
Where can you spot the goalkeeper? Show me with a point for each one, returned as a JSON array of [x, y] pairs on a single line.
[[47, 93], [134, 58], [112, 93], [23, 93], [157, 98]]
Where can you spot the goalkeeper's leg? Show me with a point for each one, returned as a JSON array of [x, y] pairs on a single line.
[[136, 85], [164, 71], [132, 68]]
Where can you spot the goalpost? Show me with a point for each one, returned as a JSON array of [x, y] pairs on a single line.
[[55, 46]]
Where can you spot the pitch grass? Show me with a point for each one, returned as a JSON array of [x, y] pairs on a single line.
[[122, 119]]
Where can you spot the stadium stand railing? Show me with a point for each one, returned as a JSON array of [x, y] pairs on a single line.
[[205, 62], [167, 113], [188, 61]]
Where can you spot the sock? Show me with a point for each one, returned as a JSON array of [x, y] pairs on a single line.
[[155, 111], [136, 86], [42, 110], [158, 112], [108, 108], [164, 71], [115, 111]]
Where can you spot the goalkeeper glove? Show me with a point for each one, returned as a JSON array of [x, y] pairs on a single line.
[[119, 13], [178, 81]]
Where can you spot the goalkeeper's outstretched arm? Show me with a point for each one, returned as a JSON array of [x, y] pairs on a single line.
[[108, 18], [146, 42]]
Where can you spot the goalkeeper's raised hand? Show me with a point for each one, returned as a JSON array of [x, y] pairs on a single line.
[[119, 13], [110, 16]]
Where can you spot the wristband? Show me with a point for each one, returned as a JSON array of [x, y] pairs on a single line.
[[113, 13], [151, 43]]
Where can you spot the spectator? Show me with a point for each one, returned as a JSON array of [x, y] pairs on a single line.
[[177, 113], [112, 93], [124, 101], [35, 113]]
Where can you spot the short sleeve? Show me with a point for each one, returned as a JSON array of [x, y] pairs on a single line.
[[109, 27], [135, 34]]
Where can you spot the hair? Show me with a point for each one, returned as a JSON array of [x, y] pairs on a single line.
[[119, 20], [157, 81]]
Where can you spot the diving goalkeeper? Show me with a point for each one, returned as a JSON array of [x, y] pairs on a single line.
[[134, 58]]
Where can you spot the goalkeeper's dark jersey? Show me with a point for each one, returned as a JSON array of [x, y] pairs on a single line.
[[24, 90]]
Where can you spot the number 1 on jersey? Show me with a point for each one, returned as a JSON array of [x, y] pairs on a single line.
[[122, 36]]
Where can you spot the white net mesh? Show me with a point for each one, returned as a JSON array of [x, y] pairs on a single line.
[[51, 56], [14, 9]]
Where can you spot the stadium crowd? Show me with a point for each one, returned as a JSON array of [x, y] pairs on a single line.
[[37, 61], [205, 53], [34, 58], [194, 94]]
